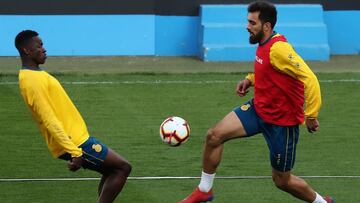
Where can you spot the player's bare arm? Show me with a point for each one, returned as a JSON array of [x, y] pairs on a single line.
[[242, 87]]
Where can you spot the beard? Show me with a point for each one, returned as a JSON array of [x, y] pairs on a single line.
[[254, 39]]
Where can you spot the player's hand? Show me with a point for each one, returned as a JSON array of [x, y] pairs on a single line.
[[75, 163], [312, 124], [242, 86]]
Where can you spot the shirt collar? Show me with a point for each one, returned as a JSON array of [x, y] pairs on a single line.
[[268, 39], [34, 69]]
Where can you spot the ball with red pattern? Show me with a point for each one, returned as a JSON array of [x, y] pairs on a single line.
[[174, 131]]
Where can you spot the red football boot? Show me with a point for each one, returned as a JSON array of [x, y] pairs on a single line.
[[328, 199], [197, 196]]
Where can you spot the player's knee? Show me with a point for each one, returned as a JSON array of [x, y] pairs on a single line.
[[280, 182], [126, 168], [213, 137], [123, 171]]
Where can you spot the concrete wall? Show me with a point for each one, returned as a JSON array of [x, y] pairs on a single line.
[[176, 36], [343, 31], [225, 37], [105, 35], [85, 35]]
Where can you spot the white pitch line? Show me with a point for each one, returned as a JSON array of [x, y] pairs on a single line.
[[339, 80], [134, 82], [169, 82], [166, 178], [149, 82]]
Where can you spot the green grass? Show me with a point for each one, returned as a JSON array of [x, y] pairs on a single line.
[[249, 191], [126, 117], [100, 65]]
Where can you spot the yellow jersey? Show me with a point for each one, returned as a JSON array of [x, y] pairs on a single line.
[[60, 123]]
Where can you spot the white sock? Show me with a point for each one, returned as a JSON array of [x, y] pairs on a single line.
[[206, 181], [319, 199]]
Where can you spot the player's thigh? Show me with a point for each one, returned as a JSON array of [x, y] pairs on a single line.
[[243, 121], [114, 160], [229, 127], [98, 157]]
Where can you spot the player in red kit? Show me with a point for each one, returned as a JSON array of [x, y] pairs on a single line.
[[282, 83]]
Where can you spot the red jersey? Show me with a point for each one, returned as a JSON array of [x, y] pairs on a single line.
[[281, 79]]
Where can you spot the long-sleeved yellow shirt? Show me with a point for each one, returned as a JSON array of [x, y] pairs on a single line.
[[59, 121]]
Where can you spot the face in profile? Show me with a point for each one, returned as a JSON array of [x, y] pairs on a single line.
[[255, 28], [36, 51]]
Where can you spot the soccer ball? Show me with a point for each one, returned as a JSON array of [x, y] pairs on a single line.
[[174, 131]]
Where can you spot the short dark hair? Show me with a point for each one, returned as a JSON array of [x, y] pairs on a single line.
[[267, 11], [23, 38]]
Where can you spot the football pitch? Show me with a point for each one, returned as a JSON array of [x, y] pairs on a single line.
[[124, 100]]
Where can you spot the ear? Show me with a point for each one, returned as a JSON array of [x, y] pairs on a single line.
[[267, 26], [25, 51]]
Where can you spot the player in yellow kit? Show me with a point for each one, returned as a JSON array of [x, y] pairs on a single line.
[[60, 123]]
